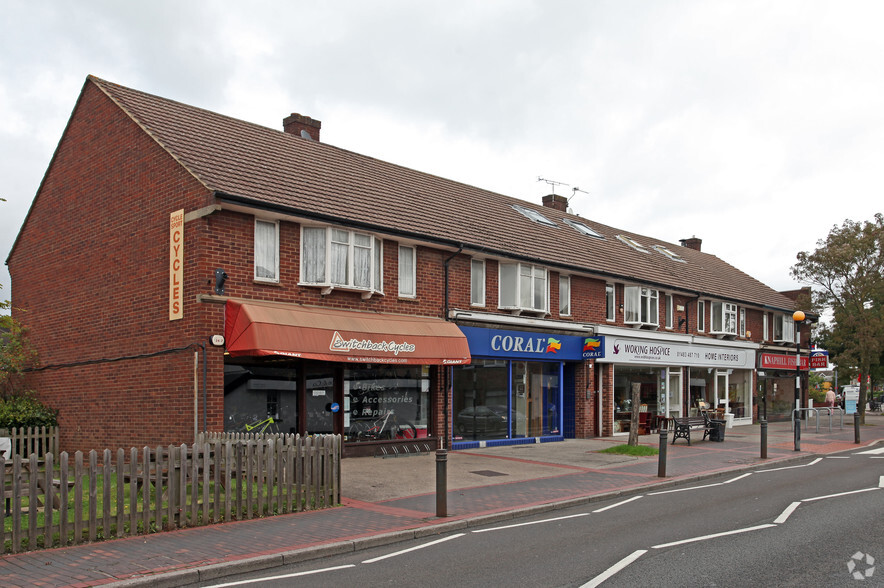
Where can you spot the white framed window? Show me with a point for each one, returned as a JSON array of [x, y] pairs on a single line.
[[783, 329], [534, 215], [765, 327], [582, 228], [641, 306], [668, 310], [742, 322], [633, 243], [523, 287], [609, 302], [407, 271], [565, 295], [477, 282], [339, 258], [724, 318], [701, 316], [266, 250]]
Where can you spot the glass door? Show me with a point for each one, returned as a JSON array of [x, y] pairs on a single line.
[[721, 396], [673, 393]]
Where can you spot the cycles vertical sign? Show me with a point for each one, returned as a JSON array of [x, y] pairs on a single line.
[[176, 265]]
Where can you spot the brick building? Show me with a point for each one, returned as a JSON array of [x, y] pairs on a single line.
[[352, 293]]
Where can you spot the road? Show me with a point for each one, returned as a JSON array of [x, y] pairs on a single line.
[[818, 523]]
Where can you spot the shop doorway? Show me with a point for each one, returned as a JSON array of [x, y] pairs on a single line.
[[721, 390], [319, 402], [673, 393]]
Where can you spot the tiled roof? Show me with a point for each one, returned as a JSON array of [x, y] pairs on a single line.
[[270, 166]]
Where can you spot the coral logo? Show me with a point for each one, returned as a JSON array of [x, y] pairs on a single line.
[[591, 344], [553, 345]]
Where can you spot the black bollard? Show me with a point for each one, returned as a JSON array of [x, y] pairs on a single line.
[[441, 482], [797, 431], [763, 439], [661, 458], [856, 428]]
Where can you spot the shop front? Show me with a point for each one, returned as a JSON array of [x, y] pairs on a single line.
[[674, 379], [515, 388], [374, 378], [776, 384]]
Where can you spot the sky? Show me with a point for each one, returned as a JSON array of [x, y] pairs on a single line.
[[757, 126]]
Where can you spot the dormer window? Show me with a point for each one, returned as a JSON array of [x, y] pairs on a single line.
[[534, 215]]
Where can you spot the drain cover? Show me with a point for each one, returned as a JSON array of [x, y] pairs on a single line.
[[488, 473]]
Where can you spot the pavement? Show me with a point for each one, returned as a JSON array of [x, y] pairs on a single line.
[[387, 500]]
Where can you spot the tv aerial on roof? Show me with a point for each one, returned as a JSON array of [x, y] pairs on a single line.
[[574, 191], [552, 183]]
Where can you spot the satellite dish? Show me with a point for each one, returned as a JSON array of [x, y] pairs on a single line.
[[305, 135]]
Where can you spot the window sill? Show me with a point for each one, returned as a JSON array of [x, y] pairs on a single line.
[[258, 282]]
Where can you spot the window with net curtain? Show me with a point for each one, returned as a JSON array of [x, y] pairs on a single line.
[[333, 256], [407, 286], [266, 250]]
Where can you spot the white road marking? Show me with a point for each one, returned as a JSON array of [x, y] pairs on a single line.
[[684, 489], [881, 482], [737, 478], [574, 516], [603, 509], [713, 536], [837, 495], [876, 451], [837, 457], [814, 462], [283, 577], [620, 565], [785, 514], [430, 544]]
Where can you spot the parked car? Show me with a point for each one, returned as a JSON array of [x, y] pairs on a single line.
[[482, 422]]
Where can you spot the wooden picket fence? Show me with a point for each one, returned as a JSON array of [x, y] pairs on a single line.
[[53, 502], [28, 440]]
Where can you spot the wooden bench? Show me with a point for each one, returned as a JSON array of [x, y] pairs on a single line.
[[682, 427]]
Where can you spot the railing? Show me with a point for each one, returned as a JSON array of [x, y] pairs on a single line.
[[53, 502], [816, 413]]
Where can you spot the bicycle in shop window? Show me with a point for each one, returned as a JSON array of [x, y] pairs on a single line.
[[387, 428], [253, 425]]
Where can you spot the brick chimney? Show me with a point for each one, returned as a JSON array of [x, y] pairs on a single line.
[[302, 126], [692, 243], [556, 201]]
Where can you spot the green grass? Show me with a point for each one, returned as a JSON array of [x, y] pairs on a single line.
[[636, 450]]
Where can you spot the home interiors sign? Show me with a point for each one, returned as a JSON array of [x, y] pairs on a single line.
[[644, 351]]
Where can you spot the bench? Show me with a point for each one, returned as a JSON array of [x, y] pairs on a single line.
[[682, 427]]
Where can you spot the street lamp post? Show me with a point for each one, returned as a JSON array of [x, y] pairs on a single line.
[[798, 317]]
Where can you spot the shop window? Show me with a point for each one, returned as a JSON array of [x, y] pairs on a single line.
[[338, 258], [523, 287], [407, 272], [477, 282], [724, 318], [564, 295], [641, 306], [650, 383], [266, 250], [386, 402], [480, 402], [259, 397]]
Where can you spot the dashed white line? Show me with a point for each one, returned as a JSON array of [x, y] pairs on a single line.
[[397, 553], [737, 478], [837, 495], [714, 536], [814, 462], [603, 509], [684, 489], [574, 516], [283, 577], [785, 514], [597, 581]]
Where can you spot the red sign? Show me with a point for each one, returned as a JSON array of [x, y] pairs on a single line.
[[777, 361], [819, 361]]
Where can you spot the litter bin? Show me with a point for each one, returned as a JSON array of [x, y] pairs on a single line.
[[717, 433]]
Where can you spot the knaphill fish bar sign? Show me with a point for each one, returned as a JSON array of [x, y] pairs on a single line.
[[532, 345]]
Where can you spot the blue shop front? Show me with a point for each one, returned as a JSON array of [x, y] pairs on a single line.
[[518, 388]]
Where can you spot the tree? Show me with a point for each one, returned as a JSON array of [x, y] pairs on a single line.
[[846, 273]]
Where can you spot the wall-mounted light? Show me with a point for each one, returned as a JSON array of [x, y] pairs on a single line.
[[220, 278], [682, 321], [620, 307]]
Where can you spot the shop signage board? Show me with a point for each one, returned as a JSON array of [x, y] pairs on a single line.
[[176, 265], [819, 359], [646, 351], [532, 345], [780, 361]]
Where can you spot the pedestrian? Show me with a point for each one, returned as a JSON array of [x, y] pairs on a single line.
[[830, 398]]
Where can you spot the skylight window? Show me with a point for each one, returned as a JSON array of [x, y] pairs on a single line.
[[669, 253], [633, 243], [582, 228], [535, 216]]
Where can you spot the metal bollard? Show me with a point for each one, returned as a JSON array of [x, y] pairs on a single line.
[[441, 482], [763, 439], [797, 418], [856, 427], [661, 458]]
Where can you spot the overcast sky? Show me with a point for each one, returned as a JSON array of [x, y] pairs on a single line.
[[755, 126]]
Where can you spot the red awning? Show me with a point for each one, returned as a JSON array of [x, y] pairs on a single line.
[[262, 328]]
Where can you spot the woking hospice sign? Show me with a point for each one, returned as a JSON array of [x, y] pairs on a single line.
[[532, 345]]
